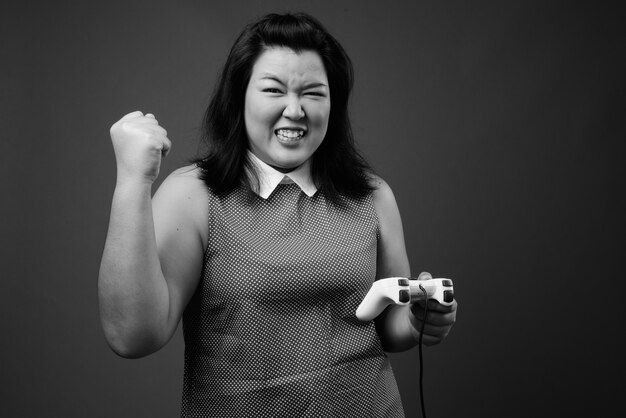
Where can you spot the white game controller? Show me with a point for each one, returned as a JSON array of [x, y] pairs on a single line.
[[402, 291]]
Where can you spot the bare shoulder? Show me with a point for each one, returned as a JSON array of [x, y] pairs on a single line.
[[383, 197], [183, 181], [181, 201], [190, 173], [392, 257]]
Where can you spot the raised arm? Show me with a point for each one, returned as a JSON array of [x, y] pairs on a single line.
[[152, 257], [398, 325]]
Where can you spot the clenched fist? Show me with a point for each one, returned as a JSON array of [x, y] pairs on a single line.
[[139, 143]]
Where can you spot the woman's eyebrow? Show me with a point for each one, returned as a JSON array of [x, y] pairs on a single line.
[[315, 84], [310, 85], [269, 76]]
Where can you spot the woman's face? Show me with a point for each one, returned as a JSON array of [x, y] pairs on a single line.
[[287, 107]]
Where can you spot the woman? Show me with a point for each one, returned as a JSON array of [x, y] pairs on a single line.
[[266, 246]]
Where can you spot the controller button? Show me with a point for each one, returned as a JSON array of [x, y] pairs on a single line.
[[404, 296], [403, 282], [448, 296], [446, 283]]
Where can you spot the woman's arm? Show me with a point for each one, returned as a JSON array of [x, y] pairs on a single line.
[[398, 326], [152, 257], [151, 263]]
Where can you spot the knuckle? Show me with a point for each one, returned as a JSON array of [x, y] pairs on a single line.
[[430, 342], [126, 126]]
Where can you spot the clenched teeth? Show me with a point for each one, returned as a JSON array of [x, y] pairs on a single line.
[[290, 134]]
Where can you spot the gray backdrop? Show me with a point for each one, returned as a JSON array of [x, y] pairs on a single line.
[[498, 125]]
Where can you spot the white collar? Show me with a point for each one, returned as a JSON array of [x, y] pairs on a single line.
[[270, 178]]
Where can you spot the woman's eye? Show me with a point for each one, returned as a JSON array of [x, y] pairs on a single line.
[[315, 93], [271, 90]]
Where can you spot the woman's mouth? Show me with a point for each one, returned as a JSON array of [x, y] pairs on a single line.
[[289, 135]]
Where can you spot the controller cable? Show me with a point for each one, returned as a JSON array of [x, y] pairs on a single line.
[[420, 352]]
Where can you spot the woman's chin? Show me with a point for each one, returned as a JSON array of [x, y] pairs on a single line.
[[285, 168]]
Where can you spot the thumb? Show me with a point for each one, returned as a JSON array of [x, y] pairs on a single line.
[[424, 276]]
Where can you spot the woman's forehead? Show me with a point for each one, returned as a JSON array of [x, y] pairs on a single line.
[[284, 63]]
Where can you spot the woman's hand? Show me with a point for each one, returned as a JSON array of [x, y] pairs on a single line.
[[139, 143], [438, 321]]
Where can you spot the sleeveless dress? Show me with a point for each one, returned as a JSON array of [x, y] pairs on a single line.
[[271, 330]]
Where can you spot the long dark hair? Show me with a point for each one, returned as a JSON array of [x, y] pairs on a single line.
[[337, 168]]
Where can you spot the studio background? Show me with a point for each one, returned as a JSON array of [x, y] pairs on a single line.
[[499, 126]]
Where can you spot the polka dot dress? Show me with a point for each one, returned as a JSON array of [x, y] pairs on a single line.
[[271, 329]]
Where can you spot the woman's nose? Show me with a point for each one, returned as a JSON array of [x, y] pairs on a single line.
[[293, 109]]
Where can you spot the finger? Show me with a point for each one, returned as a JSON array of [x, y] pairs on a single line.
[[429, 341], [151, 118], [158, 130], [440, 328], [436, 332], [159, 136], [418, 310], [132, 115], [147, 121], [437, 318], [433, 305], [429, 337], [167, 146], [434, 318], [424, 276]]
